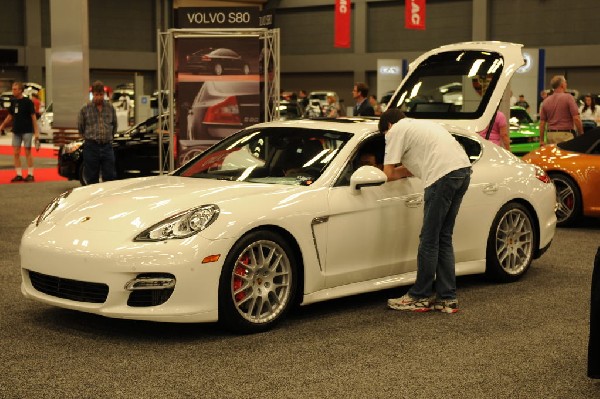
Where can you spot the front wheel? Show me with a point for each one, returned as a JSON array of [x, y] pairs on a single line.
[[510, 246], [257, 283], [568, 199]]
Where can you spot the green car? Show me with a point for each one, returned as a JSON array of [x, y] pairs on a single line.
[[523, 131]]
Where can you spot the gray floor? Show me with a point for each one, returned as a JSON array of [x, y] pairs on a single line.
[[522, 340]]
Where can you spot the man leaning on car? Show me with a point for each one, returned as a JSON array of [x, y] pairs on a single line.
[[560, 112], [97, 124]]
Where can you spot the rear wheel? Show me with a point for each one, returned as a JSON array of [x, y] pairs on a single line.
[[568, 199], [258, 283], [510, 247]]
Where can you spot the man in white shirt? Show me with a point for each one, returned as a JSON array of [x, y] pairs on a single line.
[[428, 151]]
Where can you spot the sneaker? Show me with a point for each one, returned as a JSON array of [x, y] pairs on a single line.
[[17, 178], [29, 178], [407, 302], [446, 305]]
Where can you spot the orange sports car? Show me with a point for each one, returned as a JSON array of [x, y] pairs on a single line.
[[574, 167]]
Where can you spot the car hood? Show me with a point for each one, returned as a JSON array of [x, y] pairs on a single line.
[[133, 205], [512, 59]]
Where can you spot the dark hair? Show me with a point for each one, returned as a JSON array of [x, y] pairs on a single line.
[[392, 116], [97, 87], [362, 88], [592, 103]]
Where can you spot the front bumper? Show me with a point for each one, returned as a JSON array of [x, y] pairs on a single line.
[[91, 261]]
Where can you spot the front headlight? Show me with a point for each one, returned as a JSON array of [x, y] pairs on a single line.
[[182, 225], [52, 206]]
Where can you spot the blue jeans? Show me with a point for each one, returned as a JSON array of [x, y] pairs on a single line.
[[98, 157], [435, 259]]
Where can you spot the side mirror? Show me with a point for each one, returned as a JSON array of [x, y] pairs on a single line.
[[366, 176]]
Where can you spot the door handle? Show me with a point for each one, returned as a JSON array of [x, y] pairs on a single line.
[[490, 188], [414, 201]]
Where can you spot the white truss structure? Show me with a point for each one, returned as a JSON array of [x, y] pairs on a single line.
[[166, 80]]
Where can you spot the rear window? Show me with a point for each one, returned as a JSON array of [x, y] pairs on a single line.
[[450, 85]]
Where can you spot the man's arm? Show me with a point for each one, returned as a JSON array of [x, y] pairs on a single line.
[[394, 172], [81, 122], [36, 128], [542, 131], [578, 124], [6, 121]]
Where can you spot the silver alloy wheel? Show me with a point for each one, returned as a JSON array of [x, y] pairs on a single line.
[[565, 198], [514, 241], [261, 282]]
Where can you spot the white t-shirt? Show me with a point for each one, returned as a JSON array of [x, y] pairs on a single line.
[[425, 148], [588, 114]]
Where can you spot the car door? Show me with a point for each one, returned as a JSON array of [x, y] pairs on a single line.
[[373, 233]]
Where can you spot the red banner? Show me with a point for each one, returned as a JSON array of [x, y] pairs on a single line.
[[414, 14], [342, 23]]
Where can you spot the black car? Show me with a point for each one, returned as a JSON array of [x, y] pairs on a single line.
[[215, 61], [136, 153]]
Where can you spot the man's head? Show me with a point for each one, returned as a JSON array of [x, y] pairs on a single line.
[[17, 89], [97, 92], [558, 82], [360, 91], [521, 97], [388, 118]]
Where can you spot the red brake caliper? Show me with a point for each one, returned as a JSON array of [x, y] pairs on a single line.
[[238, 282]]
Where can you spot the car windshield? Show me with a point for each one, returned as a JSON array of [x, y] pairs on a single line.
[[278, 155], [519, 116], [450, 85]]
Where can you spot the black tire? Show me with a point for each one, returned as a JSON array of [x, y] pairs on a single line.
[[568, 198], [218, 69], [511, 243], [258, 283]]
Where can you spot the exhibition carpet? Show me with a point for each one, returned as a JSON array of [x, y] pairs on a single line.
[[41, 173]]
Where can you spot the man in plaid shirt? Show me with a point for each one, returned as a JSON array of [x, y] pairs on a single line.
[[97, 124]]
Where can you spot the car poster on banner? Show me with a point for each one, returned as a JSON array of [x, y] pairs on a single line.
[[218, 91]]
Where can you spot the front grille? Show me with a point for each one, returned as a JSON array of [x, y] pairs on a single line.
[[80, 291], [144, 298]]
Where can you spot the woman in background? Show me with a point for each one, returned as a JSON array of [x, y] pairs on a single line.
[[499, 133], [590, 113]]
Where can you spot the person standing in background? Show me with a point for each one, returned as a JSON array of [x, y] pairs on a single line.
[[97, 124], [589, 112], [25, 128], [499, 132], [559, 114], [362, 106], [522, 103], [375, 104], [331, 110]]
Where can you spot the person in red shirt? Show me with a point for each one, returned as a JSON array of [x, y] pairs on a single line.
[[559, 114]]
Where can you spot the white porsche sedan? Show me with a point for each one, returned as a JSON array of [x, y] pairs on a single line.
[[292, 212]]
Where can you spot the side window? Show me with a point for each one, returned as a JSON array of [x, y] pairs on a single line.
[[471, 146], [370, 152]]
